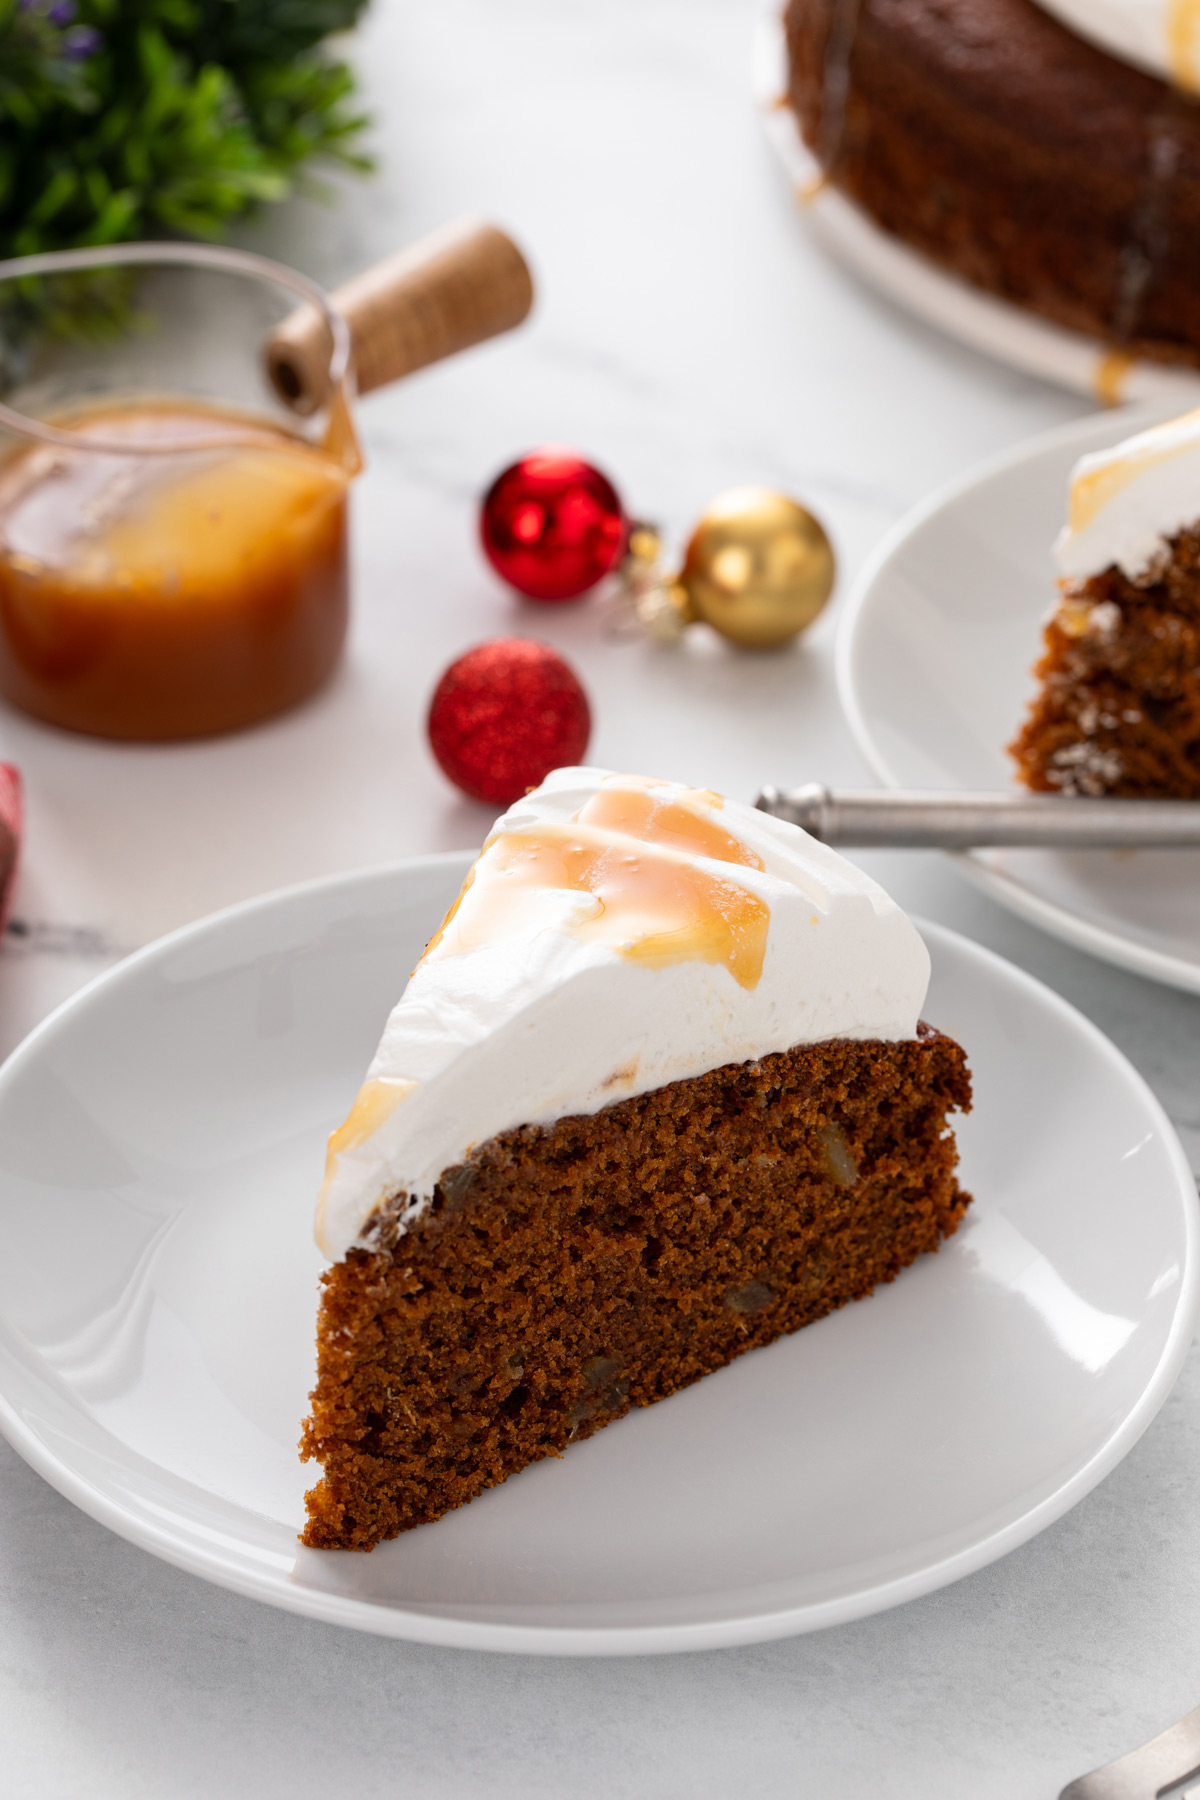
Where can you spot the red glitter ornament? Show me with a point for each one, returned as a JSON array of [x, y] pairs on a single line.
[[12, 830], [552, 525], [504, 715]]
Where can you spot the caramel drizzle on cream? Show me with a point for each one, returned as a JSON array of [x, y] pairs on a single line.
[[634, 853], [1183, 42], [697, 796], [1092, 492], [635, 811], [374, 1105]]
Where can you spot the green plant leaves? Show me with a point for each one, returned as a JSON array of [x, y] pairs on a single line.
[[133, 118]]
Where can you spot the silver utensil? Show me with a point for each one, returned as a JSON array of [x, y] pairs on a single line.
[[1160, 1765], [871, 818]]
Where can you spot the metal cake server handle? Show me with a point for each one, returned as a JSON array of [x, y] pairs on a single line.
[[1144, 1774], [898, 819]]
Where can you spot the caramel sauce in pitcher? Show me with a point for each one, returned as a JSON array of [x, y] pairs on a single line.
[[179, 594]]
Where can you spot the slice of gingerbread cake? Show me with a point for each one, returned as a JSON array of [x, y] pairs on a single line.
[[655, 1094], [1118, 705]]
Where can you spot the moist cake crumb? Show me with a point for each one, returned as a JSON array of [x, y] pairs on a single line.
[[565, 1274], [1118, 706]]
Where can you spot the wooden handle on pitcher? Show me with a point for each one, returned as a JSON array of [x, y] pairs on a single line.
[[460, 285]]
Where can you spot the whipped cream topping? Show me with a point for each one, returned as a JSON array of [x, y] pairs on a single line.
[[615, 934], [1126, 502], [1161, 36]]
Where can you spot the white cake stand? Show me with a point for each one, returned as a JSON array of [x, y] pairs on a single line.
[[996, 327]]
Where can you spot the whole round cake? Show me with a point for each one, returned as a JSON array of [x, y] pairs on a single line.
[[1055, 169]]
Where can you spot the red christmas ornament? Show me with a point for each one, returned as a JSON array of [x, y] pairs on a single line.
[[504, 715], [12, 830], [552, 525]]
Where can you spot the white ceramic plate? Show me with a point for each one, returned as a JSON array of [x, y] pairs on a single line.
[[1014, 336], [161, 1138], [937, 643]]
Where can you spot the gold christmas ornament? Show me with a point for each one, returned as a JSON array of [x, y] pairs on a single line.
[[758, 569]]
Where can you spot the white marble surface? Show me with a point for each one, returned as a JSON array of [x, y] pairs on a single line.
[[689, 337]]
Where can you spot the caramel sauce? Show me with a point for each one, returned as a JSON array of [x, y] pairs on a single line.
[[1111, 373], [1092, 492], [636, 812], [1183, 42], [701, 796], [648, 904], [179, 594], [375, 1103], [450, 917]]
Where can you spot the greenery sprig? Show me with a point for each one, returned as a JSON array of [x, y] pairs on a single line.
[[124, 119]]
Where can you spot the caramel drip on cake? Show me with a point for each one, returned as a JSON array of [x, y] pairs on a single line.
[[376, 1102], [636, 813], [648, 904], [1112, 372], [699, 796], [1092, 491], [374, 1105], [1183, 42], [450, 917], [650, 908]]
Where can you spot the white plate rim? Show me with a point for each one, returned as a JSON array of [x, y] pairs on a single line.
[[1110, 946], [414, 1624], [984, 321]]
